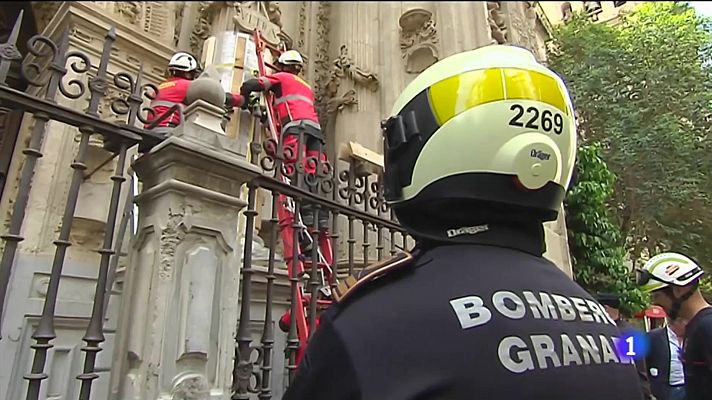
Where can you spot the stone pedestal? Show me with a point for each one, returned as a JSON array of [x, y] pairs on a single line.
[[180, 302]]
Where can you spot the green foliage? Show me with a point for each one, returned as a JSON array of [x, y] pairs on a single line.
[[642, 89], [706, 288], [595, 241]]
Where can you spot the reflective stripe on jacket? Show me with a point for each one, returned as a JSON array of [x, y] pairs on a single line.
[[294, 98]]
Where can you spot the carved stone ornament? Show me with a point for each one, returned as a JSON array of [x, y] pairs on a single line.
[[418, 37], [171, 235], [302, 25], [178, 13], [104, 110], [322, 74], [129, 10], [338, 103], [201, 30], [262, 15], [274, 13], [344, 67], [190, 386], [497, 23]]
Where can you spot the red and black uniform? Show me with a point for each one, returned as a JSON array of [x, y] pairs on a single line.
[[295, 113], [172, 92], [294, 106]]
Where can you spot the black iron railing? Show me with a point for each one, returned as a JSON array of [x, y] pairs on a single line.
[[45, 69]]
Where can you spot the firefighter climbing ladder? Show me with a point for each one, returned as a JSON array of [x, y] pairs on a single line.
[[287, 219]]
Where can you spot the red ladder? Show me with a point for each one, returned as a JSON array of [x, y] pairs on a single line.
[[286, 217]]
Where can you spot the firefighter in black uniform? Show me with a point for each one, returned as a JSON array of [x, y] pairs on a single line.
[[673, 280], [478, 154]]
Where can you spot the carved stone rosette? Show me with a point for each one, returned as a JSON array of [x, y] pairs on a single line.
[[418, 39]]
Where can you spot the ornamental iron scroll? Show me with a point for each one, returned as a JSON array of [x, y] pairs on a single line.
[[347, 185]]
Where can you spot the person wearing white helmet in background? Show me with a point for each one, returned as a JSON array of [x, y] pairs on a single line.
[[672, 279], [183, 68], [294, 106], [479, 152]]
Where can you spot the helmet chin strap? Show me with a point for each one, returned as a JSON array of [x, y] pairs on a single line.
[[677, 303]]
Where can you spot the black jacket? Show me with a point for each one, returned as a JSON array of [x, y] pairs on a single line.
[[658, 358], [697, 359], [467, 321]]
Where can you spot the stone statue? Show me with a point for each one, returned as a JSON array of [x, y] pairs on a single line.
[[497, 23], [345, 64]]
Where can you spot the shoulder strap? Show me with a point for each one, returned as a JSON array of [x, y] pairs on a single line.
[[351, 284]]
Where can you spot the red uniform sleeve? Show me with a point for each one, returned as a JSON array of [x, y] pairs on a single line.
[[234, 100], [268, 82]]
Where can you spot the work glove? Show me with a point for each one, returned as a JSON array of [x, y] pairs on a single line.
[[254, 99]]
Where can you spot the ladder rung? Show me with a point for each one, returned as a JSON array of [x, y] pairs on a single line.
[[272, 47], [306, 300], [319, 264], [308, 261]]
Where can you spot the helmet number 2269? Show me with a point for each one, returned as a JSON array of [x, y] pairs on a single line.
[[544, 120]]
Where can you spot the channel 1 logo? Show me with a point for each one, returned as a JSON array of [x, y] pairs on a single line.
[[633, 344]]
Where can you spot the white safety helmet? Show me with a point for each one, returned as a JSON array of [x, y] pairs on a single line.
[[183, 61], [291, 57], [490, 125], [668, 269]]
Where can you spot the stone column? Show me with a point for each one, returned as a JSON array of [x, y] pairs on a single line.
[[469, 30], [356, 43], [180, 308]]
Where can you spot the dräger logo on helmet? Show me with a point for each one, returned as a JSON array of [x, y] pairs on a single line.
[[540, 155], [467, 230]]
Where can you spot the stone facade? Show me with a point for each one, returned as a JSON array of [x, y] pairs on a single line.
[[360, 56], [557, 12]]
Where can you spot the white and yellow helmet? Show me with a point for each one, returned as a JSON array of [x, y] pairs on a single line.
[[291, 57], [668, 269], [489, 125], [183, 61]]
